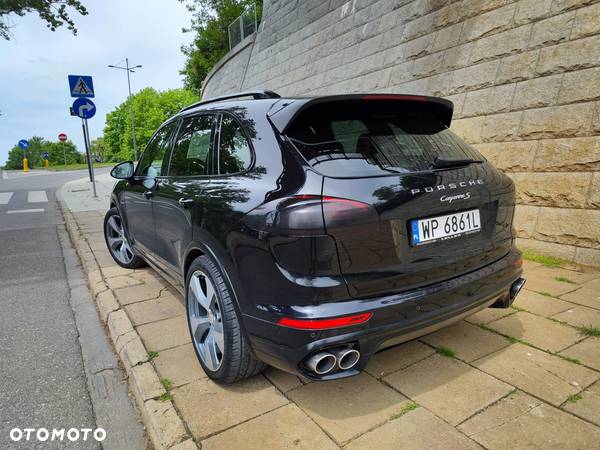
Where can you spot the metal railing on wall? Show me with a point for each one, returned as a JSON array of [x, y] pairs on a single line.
[[243, 26]]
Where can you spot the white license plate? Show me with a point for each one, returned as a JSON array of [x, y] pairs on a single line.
[[444, 227]]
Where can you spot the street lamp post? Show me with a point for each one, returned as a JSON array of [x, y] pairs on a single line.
[[128, 69]]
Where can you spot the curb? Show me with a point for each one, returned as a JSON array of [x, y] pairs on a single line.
[[163, 425]]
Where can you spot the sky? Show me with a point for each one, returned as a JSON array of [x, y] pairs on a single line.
[[34, 64]]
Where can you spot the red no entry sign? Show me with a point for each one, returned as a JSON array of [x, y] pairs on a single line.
[[62, 137]]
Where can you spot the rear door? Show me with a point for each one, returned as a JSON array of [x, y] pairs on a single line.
[[380, 155], [231, 187], [179, 196]]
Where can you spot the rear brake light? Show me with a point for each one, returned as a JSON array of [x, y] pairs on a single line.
[[324, 324], [418, 98]]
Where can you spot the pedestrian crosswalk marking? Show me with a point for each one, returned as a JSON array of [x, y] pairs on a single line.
[[37, 197], [20, 211], [5, 197]]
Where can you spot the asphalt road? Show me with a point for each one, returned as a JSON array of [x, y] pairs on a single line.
[[43, 381]]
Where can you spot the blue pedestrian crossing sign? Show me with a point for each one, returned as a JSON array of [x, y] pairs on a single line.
[[24, 143], [81, 86], [84, 108]]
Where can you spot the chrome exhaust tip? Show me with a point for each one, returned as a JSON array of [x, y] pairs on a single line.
[[346, 357], [516, 288], [321, 363]]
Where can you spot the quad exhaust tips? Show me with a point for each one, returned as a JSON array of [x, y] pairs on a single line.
[[321, 363], [346, 357], [343, 358]]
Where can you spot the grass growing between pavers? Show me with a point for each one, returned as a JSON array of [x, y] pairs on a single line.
[[410, 406], [574, 398], [152, 355], [514, 340], [584, 330], [589, 331], [510, 339], [165, 397], [548, 261], [568, 358], [564, 280], [166, 383], [445, 351], [546, 294]]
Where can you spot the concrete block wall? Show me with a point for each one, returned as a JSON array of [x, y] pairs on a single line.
[[524, 77]]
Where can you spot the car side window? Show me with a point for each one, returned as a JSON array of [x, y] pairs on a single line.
[[191, 152], [151, 161], [234, 150]]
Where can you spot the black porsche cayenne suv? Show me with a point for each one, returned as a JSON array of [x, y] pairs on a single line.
[[309, 233]]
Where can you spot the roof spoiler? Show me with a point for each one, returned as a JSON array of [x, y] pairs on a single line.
[[283, 113]]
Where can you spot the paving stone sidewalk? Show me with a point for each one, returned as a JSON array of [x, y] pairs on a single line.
[[525, 377]]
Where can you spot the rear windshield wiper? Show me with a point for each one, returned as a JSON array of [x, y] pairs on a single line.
[[443, 163]]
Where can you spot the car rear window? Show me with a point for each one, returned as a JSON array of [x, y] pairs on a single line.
[[346, 139]]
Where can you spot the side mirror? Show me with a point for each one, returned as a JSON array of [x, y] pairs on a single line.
[[122, 171]]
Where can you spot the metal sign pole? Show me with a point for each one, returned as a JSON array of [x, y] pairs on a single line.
[[85, 143], [88, 151]]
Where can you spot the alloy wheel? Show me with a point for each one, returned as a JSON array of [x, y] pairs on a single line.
[[117, 241], [206, 321]]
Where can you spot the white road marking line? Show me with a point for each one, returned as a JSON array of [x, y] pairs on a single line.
[[37, 197], [19, 211], [5, 197]]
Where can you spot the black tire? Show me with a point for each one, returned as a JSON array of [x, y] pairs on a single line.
[[135, 261], [238, 360]]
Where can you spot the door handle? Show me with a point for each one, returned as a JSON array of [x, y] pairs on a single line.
[[148, 195], [186, 202]]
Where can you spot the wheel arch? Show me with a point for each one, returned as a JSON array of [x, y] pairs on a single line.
[[197, 249], [220, 258]]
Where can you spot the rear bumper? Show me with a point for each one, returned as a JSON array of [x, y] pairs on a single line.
[[396, 318]]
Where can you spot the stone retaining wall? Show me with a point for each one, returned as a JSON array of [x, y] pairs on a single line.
[[524, 77]]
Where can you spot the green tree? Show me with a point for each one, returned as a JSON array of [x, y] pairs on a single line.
[[33, 153], [59, 152], [99, 148], [15, 158], [53, 12], [151, 108], [210, 21]]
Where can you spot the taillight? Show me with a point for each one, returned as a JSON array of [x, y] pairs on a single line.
[[342, 211], [300, 214], [324, 324], [306, 213]]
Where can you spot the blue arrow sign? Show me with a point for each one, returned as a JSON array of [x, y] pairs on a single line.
[[24, 143], [84, 108], [46, 155], [81, 86]]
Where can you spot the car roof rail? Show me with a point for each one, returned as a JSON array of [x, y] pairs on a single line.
[[256, 95]]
